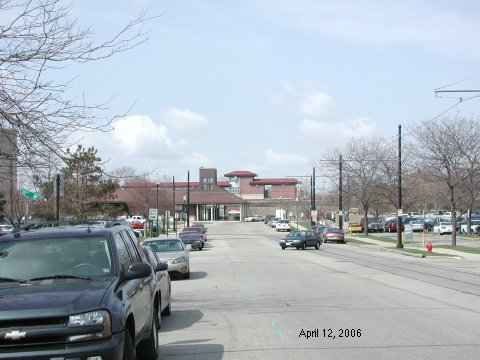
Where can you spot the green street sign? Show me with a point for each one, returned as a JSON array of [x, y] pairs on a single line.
[[29, 194]]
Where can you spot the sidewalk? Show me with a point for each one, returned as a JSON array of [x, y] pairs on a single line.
[[415, 245]]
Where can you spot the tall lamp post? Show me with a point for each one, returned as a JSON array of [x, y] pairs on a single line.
[[156, 228]]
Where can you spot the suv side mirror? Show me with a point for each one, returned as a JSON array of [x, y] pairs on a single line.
[[138, 270], [161, 266]]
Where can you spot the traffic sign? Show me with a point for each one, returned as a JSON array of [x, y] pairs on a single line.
[[152, 214], [29, 194]]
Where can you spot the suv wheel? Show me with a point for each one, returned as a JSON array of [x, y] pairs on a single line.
[[128, 351], [317, 245], [148, 348], [304, 245], [168, 310]]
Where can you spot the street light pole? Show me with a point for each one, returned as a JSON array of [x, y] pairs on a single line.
[[156, 229]]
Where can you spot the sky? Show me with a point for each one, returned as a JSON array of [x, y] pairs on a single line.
[[267, 86]]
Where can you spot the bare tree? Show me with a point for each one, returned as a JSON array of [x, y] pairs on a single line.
[[448, 152], [38, 37]]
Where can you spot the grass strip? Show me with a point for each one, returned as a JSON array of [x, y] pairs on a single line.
[[466, 249], [355, 241], [420, 252]]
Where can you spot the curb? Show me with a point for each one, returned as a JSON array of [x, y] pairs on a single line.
[[451, 256]]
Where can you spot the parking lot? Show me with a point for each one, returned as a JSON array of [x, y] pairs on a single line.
[[248, 299]]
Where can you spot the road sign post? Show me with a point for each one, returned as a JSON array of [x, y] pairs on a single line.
[[29, 194]]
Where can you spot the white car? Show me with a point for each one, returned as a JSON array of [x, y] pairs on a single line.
[[137, 218], [417, 225], [282, 225], [443, 227], [474, 224]]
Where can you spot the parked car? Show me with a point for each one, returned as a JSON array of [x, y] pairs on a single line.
[[198, 228], [333, 234], [137, 218], [273, 222], [268, 218], [474, 224], [417, 225], [283, 225], [300, 239], [135, 224], [355, 228], [255, 218], [163, 281], [173, 252], [77, 292], [443, 227], [6, 229], [391, 226], [194, 239], [317, 229], [375, 227], [429, 224]]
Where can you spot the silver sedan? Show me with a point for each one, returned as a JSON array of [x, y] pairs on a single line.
[[172, 251]]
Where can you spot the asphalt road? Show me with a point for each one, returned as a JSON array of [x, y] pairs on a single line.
[[248, 299]]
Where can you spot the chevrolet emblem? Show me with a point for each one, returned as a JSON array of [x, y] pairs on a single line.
[[15, 335]]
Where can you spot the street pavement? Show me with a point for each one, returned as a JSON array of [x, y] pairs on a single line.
[[248, 299]]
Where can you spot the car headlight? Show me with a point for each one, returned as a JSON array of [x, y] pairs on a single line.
[[98, 321], [180, 260]]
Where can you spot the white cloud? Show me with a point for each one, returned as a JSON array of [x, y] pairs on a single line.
[[275, 159], [184, 120], [197, 159], [138, 135], [317, 104], [338, 131]]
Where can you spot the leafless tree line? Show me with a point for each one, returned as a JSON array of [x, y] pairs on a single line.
[[440, 168]]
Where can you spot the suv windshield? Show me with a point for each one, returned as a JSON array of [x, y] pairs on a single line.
[[55, 258]]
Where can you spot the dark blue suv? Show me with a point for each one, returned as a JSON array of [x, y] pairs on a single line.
[[77, 291]]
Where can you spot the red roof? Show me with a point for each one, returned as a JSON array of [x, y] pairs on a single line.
[[240, 174], [285, 181]]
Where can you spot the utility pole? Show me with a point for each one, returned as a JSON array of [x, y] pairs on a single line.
[[340, 195], [188, 198], [399, 192]]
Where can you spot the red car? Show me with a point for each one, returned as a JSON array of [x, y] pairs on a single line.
[[391, 226], [136, 224]]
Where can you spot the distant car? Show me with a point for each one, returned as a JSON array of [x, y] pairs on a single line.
[[318, 229], [194, 239], [268, 218], [283, 225], [6, 229], [173, 252], [198, 229], [300, 239], [474, 224], [136, 224], [417, 225], [375, 227], [273, 222], [333, 234], [137, 218], [163, 281], [443, 227], [391, 226], [355, 228], [203, 229], [254, 218]]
